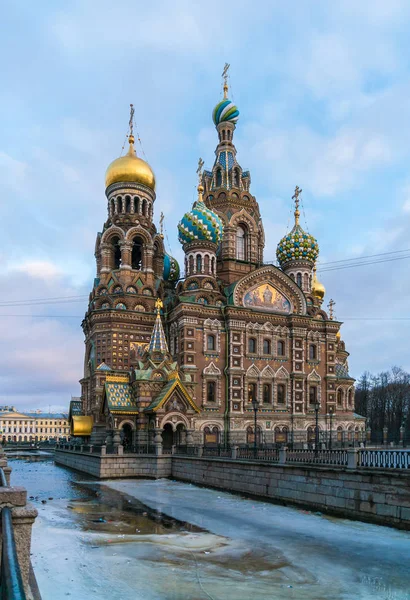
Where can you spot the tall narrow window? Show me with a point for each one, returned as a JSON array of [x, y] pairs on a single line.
[[210, 342], [281, 348], [241, 243], [312, 394], [117, 252], [266, 347], [218, 178], [252, 346], [251, 392], [299, 279], [339, 397], [136, 254], [312, 352], [267, 393], [210, 391], [198, 263], [281, 393]]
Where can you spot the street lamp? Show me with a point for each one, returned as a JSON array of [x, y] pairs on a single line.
[[317, 406], [330, 432], [255, 410]]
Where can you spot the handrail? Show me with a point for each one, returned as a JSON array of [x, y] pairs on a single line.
[[11, 582]]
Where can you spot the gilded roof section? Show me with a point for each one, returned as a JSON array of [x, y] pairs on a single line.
[[166, 392]]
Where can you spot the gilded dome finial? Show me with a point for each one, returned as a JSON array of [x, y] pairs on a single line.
[[295, 197]]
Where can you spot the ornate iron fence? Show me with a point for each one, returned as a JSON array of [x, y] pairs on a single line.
[[384, 459], [323, 457]]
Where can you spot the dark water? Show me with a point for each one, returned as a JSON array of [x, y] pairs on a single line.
[[92, 507]]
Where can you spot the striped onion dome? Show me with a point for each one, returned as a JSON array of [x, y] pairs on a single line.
[[225, 110], [200, 223]]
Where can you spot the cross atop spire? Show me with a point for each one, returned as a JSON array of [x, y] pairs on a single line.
[[331, 306], [225, 77], [161, 224], [131, 121], [199, 173], [295, 197]]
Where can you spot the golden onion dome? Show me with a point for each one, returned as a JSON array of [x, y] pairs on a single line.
[[338, 336], [318, 289], [130, 168]]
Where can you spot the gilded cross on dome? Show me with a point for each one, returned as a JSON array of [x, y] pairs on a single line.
[[225, 76], [199, 170], [295, 197], [331, 306], [131, 121], [161, 224]]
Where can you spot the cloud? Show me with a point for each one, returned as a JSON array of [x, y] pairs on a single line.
[[39, 269]]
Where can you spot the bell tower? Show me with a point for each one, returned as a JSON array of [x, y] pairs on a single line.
[[131, 273], [227, 192]]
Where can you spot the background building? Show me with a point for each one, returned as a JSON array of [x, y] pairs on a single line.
[[32, 427], [239, 333]]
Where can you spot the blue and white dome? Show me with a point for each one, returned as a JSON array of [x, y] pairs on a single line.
[[200, 223], [225, 111], [171, 268]]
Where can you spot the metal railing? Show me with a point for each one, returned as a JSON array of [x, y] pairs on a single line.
[[265, 454], [384, 459], [217, 452], [11, 582], [323, 457]]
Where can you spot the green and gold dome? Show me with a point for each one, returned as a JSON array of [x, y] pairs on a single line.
[[297, 244]]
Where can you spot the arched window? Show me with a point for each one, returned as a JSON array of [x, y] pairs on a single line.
[[211, 436], [127, 204], [223, 134], [241, 243], [218, 178], [206, 263], [136, 255], [266, 347], [281, 348], [252, 345], [339, 397], [312, 394], [292, 276], [210, 391], [267, 393], [191, 264], [112, 207], [350, 398], [198, 263], [144, 208], [236, 178], [213, 265], [299, 279], [117, 252], [306, 281], [251, 392], [281, 393], [312, 352], [210, 344]]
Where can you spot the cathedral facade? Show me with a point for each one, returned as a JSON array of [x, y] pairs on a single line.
[[189, 357]]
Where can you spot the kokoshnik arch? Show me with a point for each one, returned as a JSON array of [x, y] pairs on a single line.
[[183, 357]]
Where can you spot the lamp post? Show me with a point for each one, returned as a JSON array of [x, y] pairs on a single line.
[[255, 410], [317, 406], [330, 432]]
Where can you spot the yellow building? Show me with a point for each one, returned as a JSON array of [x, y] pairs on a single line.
[[35, 426]]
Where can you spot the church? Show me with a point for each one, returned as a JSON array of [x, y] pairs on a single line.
[[193, 357]]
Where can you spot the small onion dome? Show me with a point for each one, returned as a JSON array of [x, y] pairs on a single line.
[[297, 245], [318, 289], [130, 168], [200, 223], [171, 268], [338, 336], [225, 110]]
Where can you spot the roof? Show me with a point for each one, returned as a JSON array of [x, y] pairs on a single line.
[[81, 426], [166, 392], [47, 415], [342, 373], [103, 367], [75, 407], [119, 397]]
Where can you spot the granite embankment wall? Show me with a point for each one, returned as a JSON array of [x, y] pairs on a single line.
[[379, 496], [113, 466], [376, 495]]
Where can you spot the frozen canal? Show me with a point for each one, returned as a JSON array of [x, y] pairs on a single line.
[[152, 540]]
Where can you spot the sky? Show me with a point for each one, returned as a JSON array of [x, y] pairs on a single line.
[[323, 90]]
